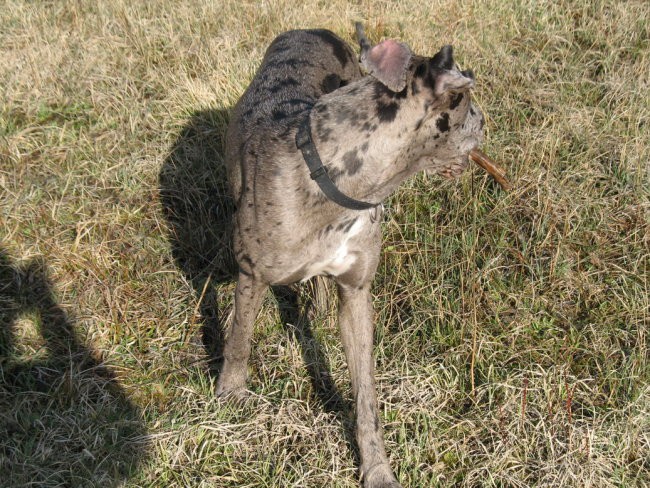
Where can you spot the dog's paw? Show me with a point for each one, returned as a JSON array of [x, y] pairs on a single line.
[[380, 476], [233, 395], [387, 484], [232, 387], [232, 381]]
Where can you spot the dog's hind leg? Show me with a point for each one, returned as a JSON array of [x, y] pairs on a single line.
[[356, 322], [249, 294]]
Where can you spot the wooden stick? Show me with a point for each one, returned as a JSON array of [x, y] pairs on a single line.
[[488, 165]]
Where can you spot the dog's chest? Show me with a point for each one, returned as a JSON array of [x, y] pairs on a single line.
[[333, 249], [341, 256]]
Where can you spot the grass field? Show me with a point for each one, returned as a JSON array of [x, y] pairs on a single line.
[[512, 328]]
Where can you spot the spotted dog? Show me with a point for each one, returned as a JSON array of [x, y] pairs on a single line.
[[310, 105]]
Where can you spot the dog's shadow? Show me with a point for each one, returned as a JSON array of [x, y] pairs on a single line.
[[199, 209]]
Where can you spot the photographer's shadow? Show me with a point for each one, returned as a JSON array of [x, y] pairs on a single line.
[[64, 419]]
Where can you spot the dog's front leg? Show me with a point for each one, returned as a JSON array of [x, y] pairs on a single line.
[[249, 294], [356, 322]]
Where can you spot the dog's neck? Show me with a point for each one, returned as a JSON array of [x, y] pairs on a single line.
[[375, 163]]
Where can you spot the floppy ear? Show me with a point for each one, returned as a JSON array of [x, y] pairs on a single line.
[[388, 61]]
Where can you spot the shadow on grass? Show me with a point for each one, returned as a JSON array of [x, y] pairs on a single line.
[[198, 208], [64, 419]]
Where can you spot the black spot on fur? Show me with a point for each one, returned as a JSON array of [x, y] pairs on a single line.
[[350, 224], [323, 131], [246, 265], [387, 102], [349, 115], [346, 225], [387, 111], [443, 122], [330, 83], [364, 147], [382, 91], [368, 127], [338, 48], [324, 134], [352, 162], [279, 115], [287, 83], [455, 102]]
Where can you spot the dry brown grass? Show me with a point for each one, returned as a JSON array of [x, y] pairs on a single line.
[[512, 336]]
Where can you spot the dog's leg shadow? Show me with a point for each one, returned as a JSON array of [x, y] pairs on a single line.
[[294, 314], [198, 210]]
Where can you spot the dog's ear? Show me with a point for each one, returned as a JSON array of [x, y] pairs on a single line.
[[448, 78], [388, 61]]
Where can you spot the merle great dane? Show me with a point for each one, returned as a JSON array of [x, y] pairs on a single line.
[[312, 149]]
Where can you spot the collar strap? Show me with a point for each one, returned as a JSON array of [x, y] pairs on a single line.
[[305, 143]]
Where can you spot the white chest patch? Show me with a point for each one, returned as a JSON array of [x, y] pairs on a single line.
[[341, 260]]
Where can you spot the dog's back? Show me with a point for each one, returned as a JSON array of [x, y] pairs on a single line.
[[298, 68]]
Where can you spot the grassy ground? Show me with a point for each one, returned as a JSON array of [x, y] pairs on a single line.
[[512, 329]]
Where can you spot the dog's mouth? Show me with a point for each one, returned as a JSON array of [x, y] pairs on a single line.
[[455, 168], [449, 169]]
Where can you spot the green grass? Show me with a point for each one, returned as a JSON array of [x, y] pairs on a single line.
[[512, 329]]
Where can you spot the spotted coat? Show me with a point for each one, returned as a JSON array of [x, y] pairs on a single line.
[[410, 113]]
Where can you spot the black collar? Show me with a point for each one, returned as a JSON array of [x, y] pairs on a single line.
[[305, 143]]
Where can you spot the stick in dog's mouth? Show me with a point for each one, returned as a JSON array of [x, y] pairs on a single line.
[[488, 165]]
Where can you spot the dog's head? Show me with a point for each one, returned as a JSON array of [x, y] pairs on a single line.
[[444, 123]]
